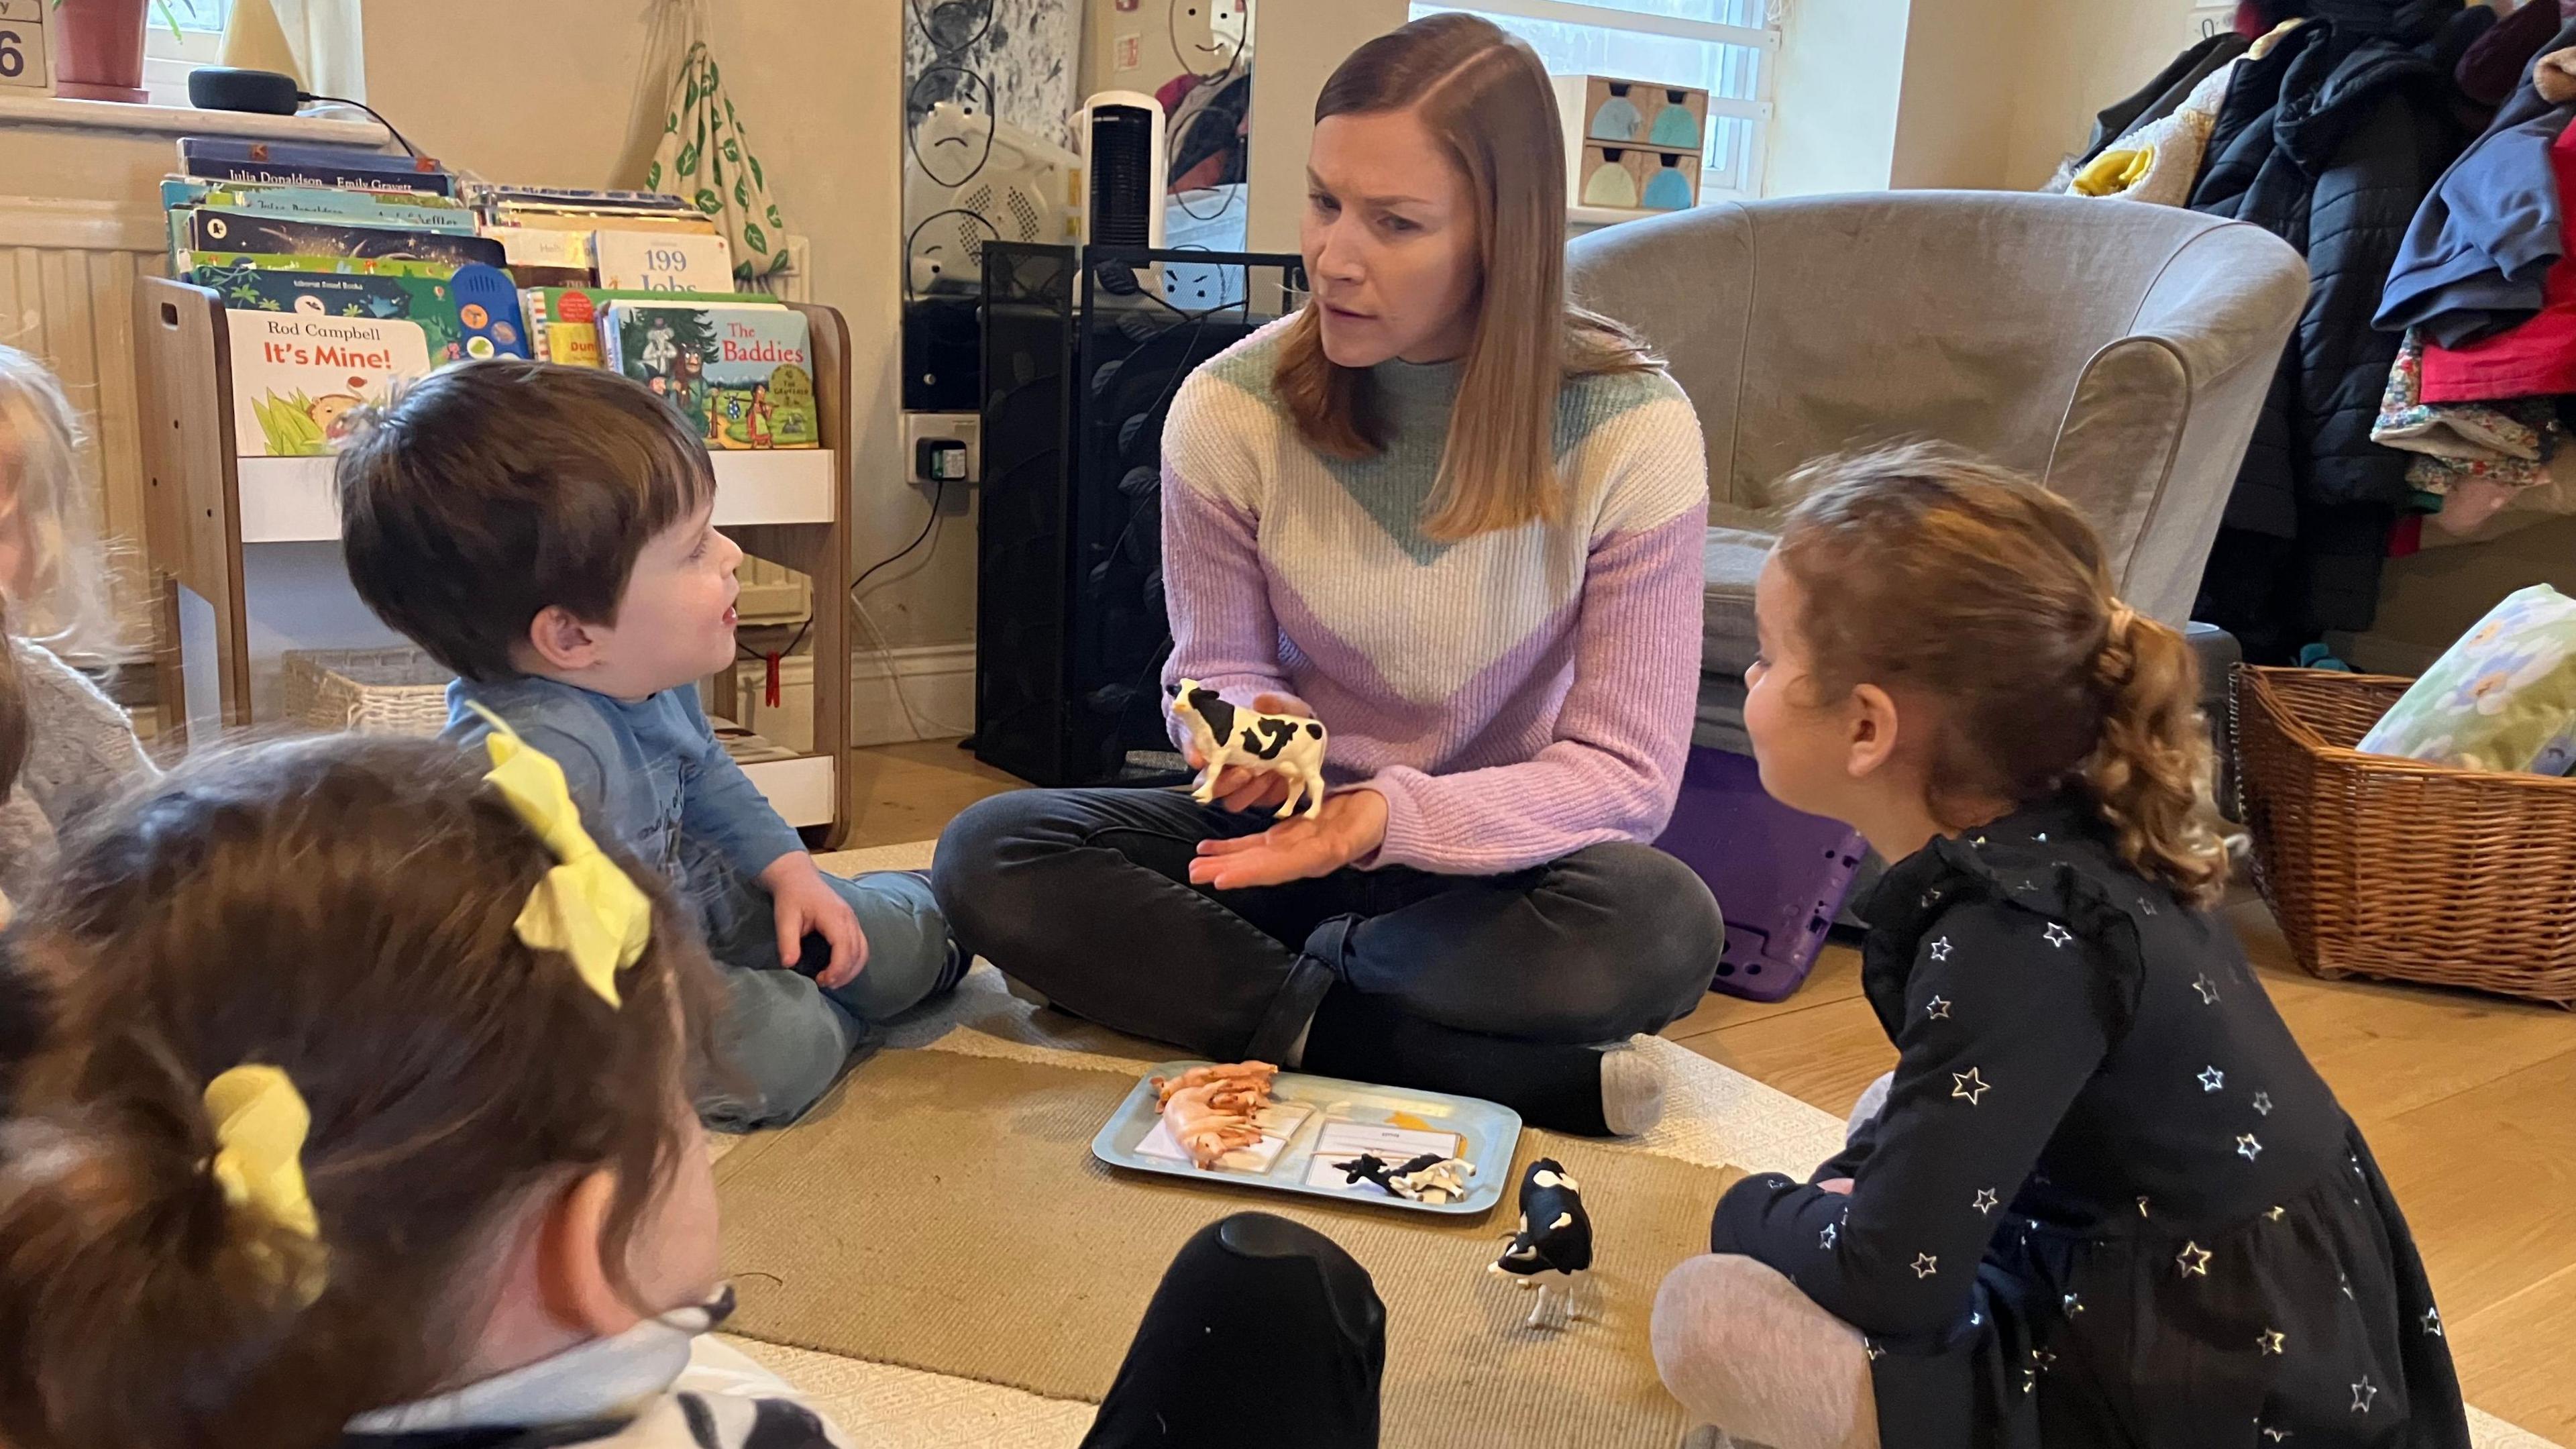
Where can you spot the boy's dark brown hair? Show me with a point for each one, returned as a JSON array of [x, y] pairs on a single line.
[[1929, 572], [341, 909], [491, 491]]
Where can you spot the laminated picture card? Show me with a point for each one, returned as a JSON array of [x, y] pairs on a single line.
[[298, 375]]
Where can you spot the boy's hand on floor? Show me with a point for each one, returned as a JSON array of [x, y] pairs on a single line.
[[1351, 827], [803, 903]]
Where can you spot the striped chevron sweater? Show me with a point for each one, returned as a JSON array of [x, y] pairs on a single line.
[[1516, 696]]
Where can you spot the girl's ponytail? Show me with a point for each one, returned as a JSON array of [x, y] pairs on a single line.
[[2150, 775], [120, 1261], [1987, 597]]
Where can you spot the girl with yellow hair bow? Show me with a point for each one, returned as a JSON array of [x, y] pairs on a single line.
[[365, 1120]]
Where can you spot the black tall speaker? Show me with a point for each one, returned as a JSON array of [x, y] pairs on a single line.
[[1083, 354]]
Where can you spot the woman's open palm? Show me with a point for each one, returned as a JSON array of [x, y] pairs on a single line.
[[1351, 827]]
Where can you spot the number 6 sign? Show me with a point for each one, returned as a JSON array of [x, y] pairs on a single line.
[[23, 59]]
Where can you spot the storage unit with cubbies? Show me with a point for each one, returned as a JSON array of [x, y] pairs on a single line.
[[261, 627]]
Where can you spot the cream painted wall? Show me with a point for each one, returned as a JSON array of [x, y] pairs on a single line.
[[1954, 110], [1957, 93], [2075, 57], [1299, 44], [1841, 77], [820, 89]]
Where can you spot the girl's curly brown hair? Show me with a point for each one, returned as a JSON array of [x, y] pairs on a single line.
[[1964, 583]]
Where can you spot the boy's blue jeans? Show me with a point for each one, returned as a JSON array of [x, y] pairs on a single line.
[[785, 1040]]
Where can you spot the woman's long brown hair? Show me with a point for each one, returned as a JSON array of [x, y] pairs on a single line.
[[1486, 97]]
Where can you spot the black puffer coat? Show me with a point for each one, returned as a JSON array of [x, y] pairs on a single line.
[[2329, 141]]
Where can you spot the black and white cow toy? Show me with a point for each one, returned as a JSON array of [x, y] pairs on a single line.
[[1274, 744], [1555, 1255]]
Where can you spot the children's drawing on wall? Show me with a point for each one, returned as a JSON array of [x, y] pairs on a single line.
[[989, 96], [1208, 126]]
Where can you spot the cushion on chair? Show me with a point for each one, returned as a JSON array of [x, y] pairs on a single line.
[[1734, 561]]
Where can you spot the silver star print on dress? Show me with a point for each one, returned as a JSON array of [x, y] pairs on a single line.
[[2362, 1394], [1984, 1202], [1825, 1239], [1941, 949], [2207, 988], [1938, 1008], [2211, 1079], [1925, 1265], [2269, 1340], [2057, 935], [2193, 1260], [2433, 1322], [2248, 1148], [1969, 1085]]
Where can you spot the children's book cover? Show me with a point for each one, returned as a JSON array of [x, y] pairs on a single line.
[[563, 322], [212, 230], [191, 262], [741, 376], [225, 158], [417, 210], [297, 376], [661, 262], [458, 319]]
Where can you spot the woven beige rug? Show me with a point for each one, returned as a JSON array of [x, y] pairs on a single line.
[[992, 1247], [1713, 1115]]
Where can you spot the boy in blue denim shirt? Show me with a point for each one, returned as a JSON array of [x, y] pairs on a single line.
[[546, 533]]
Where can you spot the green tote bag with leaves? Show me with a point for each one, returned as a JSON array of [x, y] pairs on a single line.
[[704, 159]]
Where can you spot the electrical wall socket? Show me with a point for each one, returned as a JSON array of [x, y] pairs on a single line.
[[937, 428]]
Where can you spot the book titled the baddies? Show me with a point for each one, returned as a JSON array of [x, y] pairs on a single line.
[[227, 158]]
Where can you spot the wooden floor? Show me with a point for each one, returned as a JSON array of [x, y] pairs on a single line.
[[2469, 1103]]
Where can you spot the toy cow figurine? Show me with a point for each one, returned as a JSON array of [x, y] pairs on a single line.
[[1274, 744], [1430, 1178], [1553, 1250]]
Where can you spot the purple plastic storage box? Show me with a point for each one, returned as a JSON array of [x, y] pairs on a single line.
[[1778, 874]]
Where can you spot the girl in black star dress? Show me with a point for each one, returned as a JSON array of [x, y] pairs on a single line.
[[2108, 1202]]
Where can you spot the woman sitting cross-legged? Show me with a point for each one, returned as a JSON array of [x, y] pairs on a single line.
[[1461, 523]]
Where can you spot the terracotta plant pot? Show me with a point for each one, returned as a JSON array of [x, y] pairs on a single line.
[[98, 49]]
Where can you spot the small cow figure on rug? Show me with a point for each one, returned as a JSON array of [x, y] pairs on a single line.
[[1270, 744], [1553, 1250], [1430, 1178]]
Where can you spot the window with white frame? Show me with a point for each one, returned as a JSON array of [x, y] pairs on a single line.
[[1725, 47], [178, 37]]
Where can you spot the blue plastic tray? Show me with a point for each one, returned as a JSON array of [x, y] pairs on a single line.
[[1491, 1134]]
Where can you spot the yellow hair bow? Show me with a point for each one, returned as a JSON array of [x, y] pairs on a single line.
[[260, 1121], [586, 907]]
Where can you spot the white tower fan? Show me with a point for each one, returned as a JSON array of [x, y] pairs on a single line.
[[1123, 163]]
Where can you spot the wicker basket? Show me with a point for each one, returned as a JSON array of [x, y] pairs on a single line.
[[371, 691], [2385, 867]]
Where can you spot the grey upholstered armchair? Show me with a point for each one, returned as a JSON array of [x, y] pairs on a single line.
[[2118, 350]]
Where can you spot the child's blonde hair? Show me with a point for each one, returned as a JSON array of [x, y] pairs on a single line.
[[59, 598], [1933, 573]]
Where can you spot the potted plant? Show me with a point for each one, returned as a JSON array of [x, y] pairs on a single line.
[[98, 47]]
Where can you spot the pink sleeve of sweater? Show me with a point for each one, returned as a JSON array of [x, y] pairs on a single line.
[[1223, 632], [1615, 767]]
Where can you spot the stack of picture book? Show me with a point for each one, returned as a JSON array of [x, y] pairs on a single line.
[[348, 273]]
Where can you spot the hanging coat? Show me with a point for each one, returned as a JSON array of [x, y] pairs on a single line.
[[2330, 141]]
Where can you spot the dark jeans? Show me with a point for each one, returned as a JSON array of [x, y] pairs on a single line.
[[1085, 896], [1264, 1333]]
